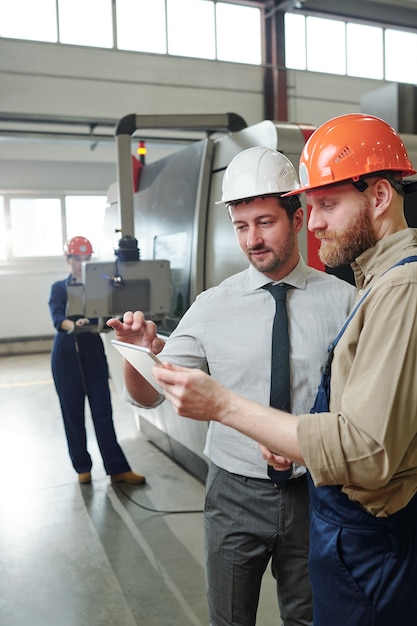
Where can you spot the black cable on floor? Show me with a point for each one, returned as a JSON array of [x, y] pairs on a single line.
[[142, 506]]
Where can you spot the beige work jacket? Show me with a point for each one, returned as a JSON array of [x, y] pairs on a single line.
[[367, 443]]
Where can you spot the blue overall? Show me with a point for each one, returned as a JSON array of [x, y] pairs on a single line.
[[80, 370], [363, 568]]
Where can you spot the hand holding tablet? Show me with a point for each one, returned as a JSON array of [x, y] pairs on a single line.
[[142, 360]]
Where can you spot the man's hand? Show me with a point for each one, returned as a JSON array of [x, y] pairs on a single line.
[[278, 462], [82, 321], [197, 395], [192, 392], [137, 330]]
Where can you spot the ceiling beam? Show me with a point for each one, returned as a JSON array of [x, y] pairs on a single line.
[[379, 13]]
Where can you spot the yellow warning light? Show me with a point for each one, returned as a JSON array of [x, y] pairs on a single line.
[[142, 151], [141, 148]]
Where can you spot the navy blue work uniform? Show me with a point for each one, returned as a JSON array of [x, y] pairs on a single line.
[[363, 568], [80, 370]]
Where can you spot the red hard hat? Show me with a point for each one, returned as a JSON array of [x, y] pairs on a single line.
[[348, 147], [78, 245]]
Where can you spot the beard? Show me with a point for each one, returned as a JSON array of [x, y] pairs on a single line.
[[346, 245], [277, 258]]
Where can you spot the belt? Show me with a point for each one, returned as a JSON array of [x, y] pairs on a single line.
[[291, 482]]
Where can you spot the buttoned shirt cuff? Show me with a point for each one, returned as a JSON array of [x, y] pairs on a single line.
[[128, 398]]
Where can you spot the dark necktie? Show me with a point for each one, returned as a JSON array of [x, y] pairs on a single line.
[[280, 395]]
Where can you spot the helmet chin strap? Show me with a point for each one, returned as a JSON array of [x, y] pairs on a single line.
[[361, 184]]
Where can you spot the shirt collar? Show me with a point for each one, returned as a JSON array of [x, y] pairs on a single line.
[[387, 251], [296, 278]]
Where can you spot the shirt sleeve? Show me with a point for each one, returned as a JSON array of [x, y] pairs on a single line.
[[185, 345], [58, 303]]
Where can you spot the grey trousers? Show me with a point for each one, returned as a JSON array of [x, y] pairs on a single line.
[[249, 523]]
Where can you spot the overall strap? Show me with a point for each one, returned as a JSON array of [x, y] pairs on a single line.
[[322, 401], [409, 259]]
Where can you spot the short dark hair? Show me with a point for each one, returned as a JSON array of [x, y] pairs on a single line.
[[290, 203]]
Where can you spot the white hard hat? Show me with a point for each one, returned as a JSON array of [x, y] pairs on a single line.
[[258, 172]]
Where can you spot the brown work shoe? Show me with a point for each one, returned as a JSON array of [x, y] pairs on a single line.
[[84, 478], [128, 477]]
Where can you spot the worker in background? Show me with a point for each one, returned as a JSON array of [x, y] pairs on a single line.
[[249, 520], [361, 448], [80, 370]]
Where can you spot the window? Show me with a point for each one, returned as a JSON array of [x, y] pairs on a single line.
[[338, 47], [238, 30], [207, 29], [85, 217], [295, 41], [26, 19], [38, 227], [141, 25], [35, 227], [365, 51], [326, 45], [400, 52], [86, 22], [191, 28]]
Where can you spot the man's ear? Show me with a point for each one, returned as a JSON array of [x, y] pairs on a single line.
[[383, 192], [298, 219]]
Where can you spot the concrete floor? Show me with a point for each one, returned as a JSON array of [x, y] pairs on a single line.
[[94, 555]]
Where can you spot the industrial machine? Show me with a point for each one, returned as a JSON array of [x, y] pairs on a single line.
[[109, 288], [185, 239]]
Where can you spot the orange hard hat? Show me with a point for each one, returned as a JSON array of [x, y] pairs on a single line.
[[78, 245], [349, 147]]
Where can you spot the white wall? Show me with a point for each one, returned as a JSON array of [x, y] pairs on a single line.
[[49, 79], [315, 98]]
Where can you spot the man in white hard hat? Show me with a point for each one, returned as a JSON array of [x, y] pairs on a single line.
[[249, 520]]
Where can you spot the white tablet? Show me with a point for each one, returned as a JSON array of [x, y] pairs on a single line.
[[142, 360]]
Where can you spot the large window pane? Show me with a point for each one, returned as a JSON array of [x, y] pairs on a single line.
[[326, 46], [27, 19], [141, 25], [86, 22], [365, 51], [238, 31], [85, 217], [36, 227], [295, 41], [191, 31], [400, 56]]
